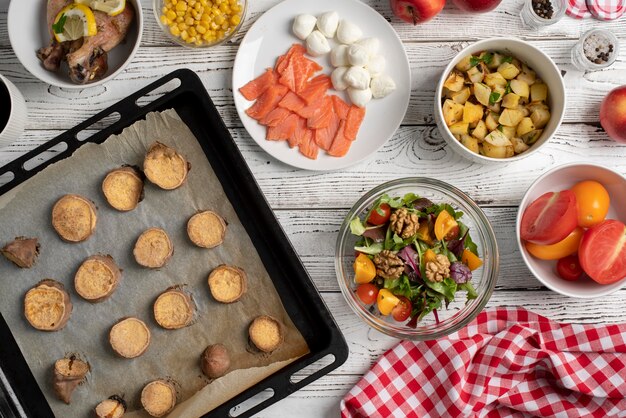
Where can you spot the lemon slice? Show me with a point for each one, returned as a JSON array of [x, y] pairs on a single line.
[[110, 7], [74, 22]]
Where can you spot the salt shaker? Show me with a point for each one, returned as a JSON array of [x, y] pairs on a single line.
[[596, 49]]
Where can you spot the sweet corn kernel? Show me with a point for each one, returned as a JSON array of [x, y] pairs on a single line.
[[198, 42], [184, 35], [171, 14], [192, 31], [200, 29], [235, 20], [179, 19], [219, 19], [189, 21], [180, 13], [164, 20], [174, 30], [182, 26], [181, 6]]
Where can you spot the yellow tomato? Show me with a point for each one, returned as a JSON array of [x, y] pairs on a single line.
[[471, 260], [364, 269], [429, 256], [386, 301], [593, 202], [423, 233], [446, 226], [567, 246]]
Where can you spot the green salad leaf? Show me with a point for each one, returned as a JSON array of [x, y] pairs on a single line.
[[469, 288], [356, 227], [446, 287], [370, 249]]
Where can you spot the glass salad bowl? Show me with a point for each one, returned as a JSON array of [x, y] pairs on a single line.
[[444, 320]]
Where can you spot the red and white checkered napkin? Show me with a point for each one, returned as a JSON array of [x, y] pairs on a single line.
[[508, 362]]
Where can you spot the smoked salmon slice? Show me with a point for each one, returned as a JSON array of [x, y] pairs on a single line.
[[341, 144], [322, 114], [284, 130], [324, 136], [301, 134], [317, 87], [266, 102], [308, 147], [341, 107], [276, 116], [353, 121], [259, 85], [292, 102], [283, 60], [308, 110]]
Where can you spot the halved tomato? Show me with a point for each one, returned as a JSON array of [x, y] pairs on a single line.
[[402, 310], [550, 218], [561, 249], [602, 252]]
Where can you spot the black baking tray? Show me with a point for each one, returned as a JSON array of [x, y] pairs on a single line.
[[297, 292]]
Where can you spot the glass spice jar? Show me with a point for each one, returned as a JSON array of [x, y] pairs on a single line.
[[539, 13], [596, 49]]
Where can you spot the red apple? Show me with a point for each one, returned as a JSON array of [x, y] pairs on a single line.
[[416, 11], [477, 6], [613, 114]]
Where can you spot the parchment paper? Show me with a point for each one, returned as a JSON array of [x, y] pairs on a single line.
[[172, 354]]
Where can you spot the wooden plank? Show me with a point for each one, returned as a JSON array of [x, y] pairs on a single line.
[[412, 152], [451, 24], [56, 108]]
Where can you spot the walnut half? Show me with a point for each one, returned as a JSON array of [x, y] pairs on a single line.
[[388, 265], [438, 269], [404, 223]]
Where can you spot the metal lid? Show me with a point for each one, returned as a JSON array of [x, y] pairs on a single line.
[[606, 9], [577, 9]]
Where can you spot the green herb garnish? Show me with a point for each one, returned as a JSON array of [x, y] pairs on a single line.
[[487, 58], [474, 61], [507, 89], [58, 26], [493, 98], [507, 59]]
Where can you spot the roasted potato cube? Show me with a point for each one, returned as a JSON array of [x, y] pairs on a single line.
[[497, 139], [510, 117], [496, 107], [508, 131], [472, 112], [520, 88], [508, 70], [523, 109], [500, 90], [525, 126], [459, 128], [540, 117], [538, 92], [464, 64], [480, 131], [492, 121], [532, 136], [494, 79], [460, 96], [527, 75], [470, 143], [482, 93], [497, 152], [452, 112], [455, 81], [476, 73], [519, 146], [510, 101], [496, 60]]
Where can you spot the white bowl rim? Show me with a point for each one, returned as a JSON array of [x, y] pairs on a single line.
[[73, 86], [610, 288], [438, 111]]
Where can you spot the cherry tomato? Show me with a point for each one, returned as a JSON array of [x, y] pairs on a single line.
[[364, 269], [550, 218], [377, 218], [386, 301], [569, 268], [402, 310], [367, 292], [602, 252], [559, 250], [446, 226], [593, 202], [471, 260]]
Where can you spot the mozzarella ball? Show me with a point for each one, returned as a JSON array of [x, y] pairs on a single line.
[[303, 25], [348, 33], [317, 44], [327, 24], [376, 65], [359, 97], [357, 77], [339, 83], [382, 85], [339, 56], [357, 55], [370, 44]]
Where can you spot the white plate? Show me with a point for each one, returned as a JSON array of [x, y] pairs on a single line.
[[28, 31], [271, 36]]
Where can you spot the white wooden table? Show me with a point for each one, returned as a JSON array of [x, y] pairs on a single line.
[[311, 206]]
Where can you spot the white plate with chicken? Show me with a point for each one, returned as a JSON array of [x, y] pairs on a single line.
[[75, 45]]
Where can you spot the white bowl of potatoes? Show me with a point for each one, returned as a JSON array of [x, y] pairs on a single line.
[[499, 100]]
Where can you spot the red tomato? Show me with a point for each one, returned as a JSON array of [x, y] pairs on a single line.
[[376, 218], [550, 218], [367, 292], [569, 268], [402, 310], [602, 252]]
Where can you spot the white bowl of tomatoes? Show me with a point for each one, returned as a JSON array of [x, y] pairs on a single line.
[[571, 231]]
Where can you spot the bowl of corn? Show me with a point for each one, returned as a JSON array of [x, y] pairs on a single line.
[[200, 23]]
